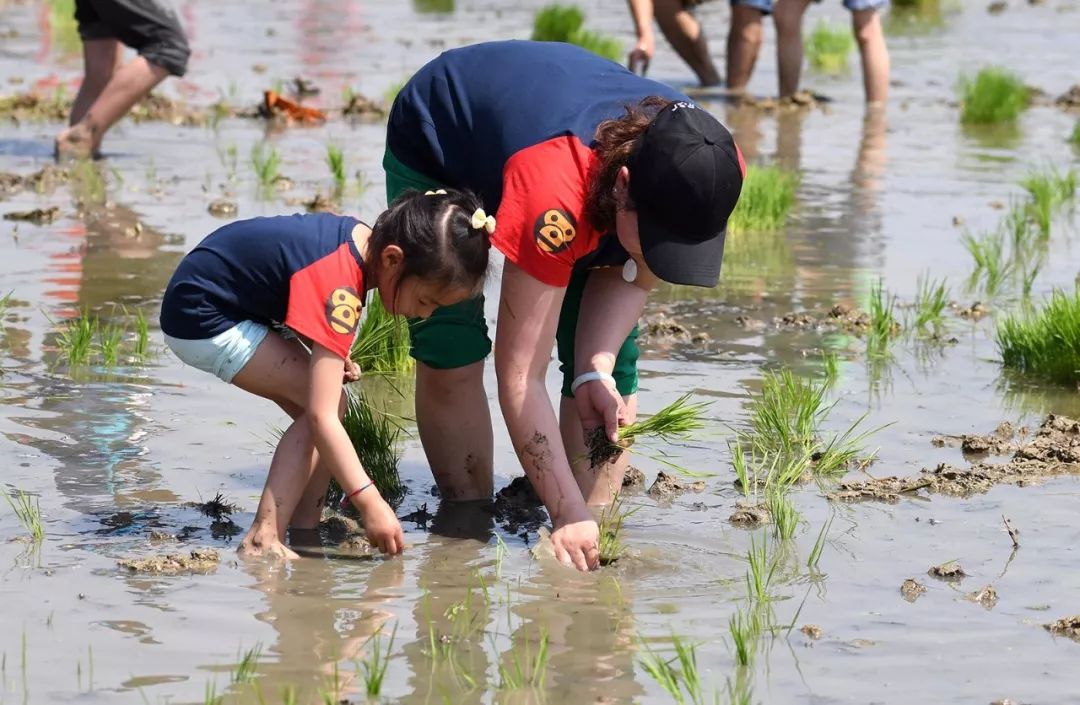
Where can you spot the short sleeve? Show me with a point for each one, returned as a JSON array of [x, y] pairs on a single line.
[[325, 299], [540, 225]]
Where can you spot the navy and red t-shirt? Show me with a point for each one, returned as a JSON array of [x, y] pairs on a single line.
[[515, 121], [303, 271]]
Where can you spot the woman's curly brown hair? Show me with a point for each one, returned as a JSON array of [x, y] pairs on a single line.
[[615, 141]]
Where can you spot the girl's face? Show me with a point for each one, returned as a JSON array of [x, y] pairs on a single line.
[[414, 297]]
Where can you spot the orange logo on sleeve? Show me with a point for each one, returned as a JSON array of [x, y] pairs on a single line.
[[555, 230], [343, 310]]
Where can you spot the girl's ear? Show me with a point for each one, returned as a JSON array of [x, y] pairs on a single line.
[[391, 259]]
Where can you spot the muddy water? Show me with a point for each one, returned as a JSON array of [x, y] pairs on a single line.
[[115, 454]]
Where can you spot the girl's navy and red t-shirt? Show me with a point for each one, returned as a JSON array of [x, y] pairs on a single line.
[[303, 271], [515, 122]]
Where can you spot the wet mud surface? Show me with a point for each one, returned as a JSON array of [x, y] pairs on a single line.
[[115, 452]]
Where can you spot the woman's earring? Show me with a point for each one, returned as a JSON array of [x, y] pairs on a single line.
[[629, 271]]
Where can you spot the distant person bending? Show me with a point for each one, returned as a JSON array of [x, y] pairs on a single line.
[[866, 26], [685, 34], [110, 88], [310, 273]]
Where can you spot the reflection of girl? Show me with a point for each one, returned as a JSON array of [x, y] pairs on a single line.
[[589, 166], [310, 272]]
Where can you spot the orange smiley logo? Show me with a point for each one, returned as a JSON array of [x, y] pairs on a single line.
[[343, 310], [554, 230]]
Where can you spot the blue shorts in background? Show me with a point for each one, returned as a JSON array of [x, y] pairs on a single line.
[[765, 6]]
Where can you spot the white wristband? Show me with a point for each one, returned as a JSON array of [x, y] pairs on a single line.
[[590, 377]]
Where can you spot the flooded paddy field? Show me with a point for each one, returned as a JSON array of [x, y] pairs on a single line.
[[126, 457]]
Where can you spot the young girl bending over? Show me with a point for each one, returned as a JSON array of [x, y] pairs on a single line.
[[310, 273]]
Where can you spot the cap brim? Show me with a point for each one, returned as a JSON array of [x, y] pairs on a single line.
[[677, 259]]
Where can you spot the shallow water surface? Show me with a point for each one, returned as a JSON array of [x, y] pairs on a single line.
[[114, 454]]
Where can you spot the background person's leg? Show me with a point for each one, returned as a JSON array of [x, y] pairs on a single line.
[[687, 38], [101, 59], [866, 24], [745, 37], [788, 15]]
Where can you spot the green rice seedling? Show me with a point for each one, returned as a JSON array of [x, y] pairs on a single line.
[[440, 7], [662, 671], [526, 670], [142, 335], [1028, 272], [557, 23], [63, 26], [930, 301], [828, 46], [819, 546], [611, 525], [785, 517], [1048, 192], [992, 266], [391, 93], [210, 695], [289, 696], [28, 510], [675, 422], [229, 158], [1044, 342], [265, 162], [768, 195], [745, 473], [994, 95], [843, 450], [739, 692], [830, 363], [762, 570], [375, 437], [382, 345], [602, 45], [745, 630], [5, 304], [247, 666], [883, 324], [109, 338], [76, 339], [784, 418], [1074, 138], [335, 160], [374, 666], [676, 674]]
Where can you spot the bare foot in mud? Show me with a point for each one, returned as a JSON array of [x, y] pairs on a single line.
[[75, 142], [255, 547]]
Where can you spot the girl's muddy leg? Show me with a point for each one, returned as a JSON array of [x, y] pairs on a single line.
[[279, 371], [598, 485], [308, 512]]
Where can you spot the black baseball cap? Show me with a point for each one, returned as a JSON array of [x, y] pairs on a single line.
[[685, 177]]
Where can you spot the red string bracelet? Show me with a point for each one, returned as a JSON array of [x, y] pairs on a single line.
[[348, 497]]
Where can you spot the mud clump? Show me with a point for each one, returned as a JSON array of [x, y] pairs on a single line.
[[34, 107], [750, 516], [1070, 99], [911, 589], [37, 216], [1053, 451], [222, 208], [661, 330], [200, 560], [800, 101], [364, 108], [951, 571], [667, 487], [974, 312], [633, 480], [1068, 627], [10, 184], [156, 108], [812, 631], [601, 450], [518, 508], [987, 597], [1001, 441], [338, 527]]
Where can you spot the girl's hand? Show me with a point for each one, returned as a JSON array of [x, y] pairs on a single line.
[[352, 372], [380, 523]]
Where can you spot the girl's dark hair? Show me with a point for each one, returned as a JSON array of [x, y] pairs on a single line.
[[615, 142], [435, 234]]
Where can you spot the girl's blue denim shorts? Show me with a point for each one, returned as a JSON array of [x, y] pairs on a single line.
[[223, 355]]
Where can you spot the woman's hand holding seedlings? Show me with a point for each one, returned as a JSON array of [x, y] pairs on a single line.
[[599, 404]]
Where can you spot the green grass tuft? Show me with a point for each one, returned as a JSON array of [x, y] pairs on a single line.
[[676, 674], [265, 162], [611, 525], [785, 517], [28, 510], [994, 95], [883, 324], [786, 415], [930, 302], [375, 436], [528, 669], [566, 23], [1074, 138], [768, 195], [335, 160], [745, 630], [382, 345], [993, 266], [827, 48], [1049, 191], [76, 340], [374, 665], [1044, 342]]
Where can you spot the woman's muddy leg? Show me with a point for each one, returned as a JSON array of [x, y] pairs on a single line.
[[599, 485], [455, 429]]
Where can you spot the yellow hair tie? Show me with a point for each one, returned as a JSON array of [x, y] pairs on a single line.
[[437, 192], [480, 219]]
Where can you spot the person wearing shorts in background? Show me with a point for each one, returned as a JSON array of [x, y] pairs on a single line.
[[685, 34], [110, 87], [603, 183]]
